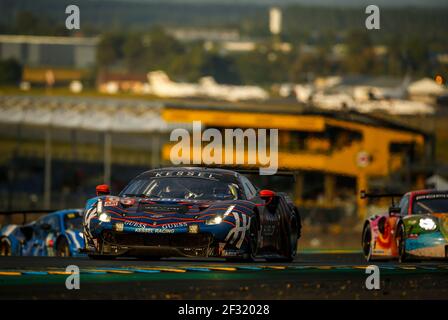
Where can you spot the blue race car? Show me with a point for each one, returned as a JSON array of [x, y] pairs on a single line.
[[55, 234], [192, 212]]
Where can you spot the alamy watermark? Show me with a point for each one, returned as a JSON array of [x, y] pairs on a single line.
[[373, 280], [373, 18], [73, 280], [73, 20], [260, 152]]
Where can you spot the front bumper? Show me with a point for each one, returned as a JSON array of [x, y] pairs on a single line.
[[163, 245], [430, 245], [177, 239], [176, 244]]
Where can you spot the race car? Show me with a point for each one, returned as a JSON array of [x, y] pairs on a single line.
[[192, 212], [415, 229], [56, 234]]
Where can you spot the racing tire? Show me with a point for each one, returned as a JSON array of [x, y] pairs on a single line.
[[401, 244], [366, 242], [290, 242], [63, 248], [5, 248]]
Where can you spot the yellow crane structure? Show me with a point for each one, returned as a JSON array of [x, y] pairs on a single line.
[[345, 144]]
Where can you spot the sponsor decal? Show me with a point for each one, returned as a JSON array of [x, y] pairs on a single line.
[[174, 225], [432, 196], [127, 201], [165, 208], [268, 230], [142, 228], [184, 173], [111, 202], [237, 233], [231, 253], [154, 230], [135, 224]]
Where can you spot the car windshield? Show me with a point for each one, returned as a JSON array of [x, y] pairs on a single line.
[[73, 221], [190, 188], [435, 203]]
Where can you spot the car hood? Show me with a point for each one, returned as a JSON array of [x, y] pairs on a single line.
[[132, 208]]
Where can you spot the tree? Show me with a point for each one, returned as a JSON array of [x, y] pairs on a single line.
[[28, 23], [133, 52], [162, 50], [110, 49], [360, 53], [221, 68]]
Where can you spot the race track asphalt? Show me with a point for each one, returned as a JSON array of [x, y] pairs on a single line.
[[311, 276]]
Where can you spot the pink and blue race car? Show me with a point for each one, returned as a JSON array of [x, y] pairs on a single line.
[[417, 228]]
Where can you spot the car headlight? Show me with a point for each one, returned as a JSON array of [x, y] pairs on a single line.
[[104, 217], [427, 224], [214, 220]]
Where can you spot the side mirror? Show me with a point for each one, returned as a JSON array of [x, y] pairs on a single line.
[[102, 190], [45, 226], [393, 211], [266, 194]]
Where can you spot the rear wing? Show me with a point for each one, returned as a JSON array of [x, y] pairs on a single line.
[[364, 195], [281, 173]]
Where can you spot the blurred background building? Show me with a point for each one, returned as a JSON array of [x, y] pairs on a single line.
[[44, 51]]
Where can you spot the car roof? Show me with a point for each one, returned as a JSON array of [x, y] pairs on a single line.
[[425, 191]]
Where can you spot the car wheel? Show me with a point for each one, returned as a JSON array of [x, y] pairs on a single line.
[[63, 248], [290, 242], [253, 237], [5, 248], [367, 242], [401, 244], [294, 237]]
